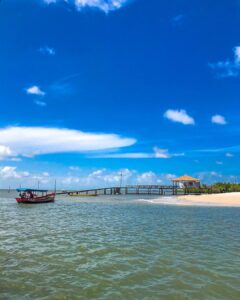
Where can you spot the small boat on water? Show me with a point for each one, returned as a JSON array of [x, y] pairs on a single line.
[[33, 196], [82, 195]]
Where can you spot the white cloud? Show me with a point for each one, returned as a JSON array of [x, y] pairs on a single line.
[[219, 163], [171, 176], [228, 68], [25, 174], [157, 153], [40, 103], [107, 178], [91, 179], [179, 116], [124, 155], [35, 90], [70, 181], [148, 178], [48, 50], [8, 172], [5, 152], [98, 178], [11, 176], [103, 5], [16, 159], [31, 141], [161, 153], [213, 177], [228, 154], [74, 168], [237, 54], [45, 174], [218, 119]]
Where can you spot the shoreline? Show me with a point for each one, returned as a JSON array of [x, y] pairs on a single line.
[[226, 200]]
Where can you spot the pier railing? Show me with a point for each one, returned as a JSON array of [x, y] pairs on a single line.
[[163, 190], [128, 190]]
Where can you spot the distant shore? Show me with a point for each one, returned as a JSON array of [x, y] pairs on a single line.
[[226, 199]]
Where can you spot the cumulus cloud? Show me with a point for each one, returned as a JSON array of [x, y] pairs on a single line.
[[31, 141], [218, 119], [228, 68], [103, 5], [8, 172], [148, 178], [105, 177], [35, 90], [12, 176], [179, 116], [98, 178], [47, 51], [5, 152]]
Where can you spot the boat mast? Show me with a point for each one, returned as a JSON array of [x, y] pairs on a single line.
[[121, 179], [55, 186]]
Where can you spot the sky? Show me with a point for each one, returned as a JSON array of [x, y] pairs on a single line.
[[90, 89]]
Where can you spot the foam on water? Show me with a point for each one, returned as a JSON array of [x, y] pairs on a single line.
[[160, 200], [180, 202]]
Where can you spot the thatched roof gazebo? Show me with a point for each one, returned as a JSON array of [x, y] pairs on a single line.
[[186, 182]]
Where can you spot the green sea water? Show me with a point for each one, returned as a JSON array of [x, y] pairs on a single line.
[[117, 248]]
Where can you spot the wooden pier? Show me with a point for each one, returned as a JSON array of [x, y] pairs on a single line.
[[163, 190]]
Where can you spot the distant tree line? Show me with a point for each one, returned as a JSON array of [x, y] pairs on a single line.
[[216, 188]]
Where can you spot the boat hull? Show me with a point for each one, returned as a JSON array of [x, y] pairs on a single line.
[[36, 200], [87, 195]]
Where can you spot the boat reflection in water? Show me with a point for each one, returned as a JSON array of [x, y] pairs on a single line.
[[34, 196]]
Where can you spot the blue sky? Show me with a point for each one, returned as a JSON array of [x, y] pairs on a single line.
[[92, 88]]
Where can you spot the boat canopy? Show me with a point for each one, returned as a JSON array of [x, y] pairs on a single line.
[[31, 190]]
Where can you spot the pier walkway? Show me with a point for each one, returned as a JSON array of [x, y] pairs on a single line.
[[128, 190]]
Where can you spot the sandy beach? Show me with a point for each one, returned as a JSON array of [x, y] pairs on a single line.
[[228, 199]]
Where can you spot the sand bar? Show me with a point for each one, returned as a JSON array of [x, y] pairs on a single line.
[[227, 199]]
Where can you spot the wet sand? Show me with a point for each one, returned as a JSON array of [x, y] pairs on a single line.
[[227, 199]]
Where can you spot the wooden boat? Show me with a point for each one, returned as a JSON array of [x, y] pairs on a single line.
[[33, 196], [82, 195]]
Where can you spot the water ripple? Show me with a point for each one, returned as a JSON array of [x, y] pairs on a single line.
[[113, 248]]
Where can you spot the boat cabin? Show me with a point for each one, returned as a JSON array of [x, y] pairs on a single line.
[[31, 193], [186, 182]]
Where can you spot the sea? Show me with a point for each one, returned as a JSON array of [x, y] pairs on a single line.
[[118, 247]]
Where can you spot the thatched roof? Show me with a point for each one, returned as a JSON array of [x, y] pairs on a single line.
[[186, 178]]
